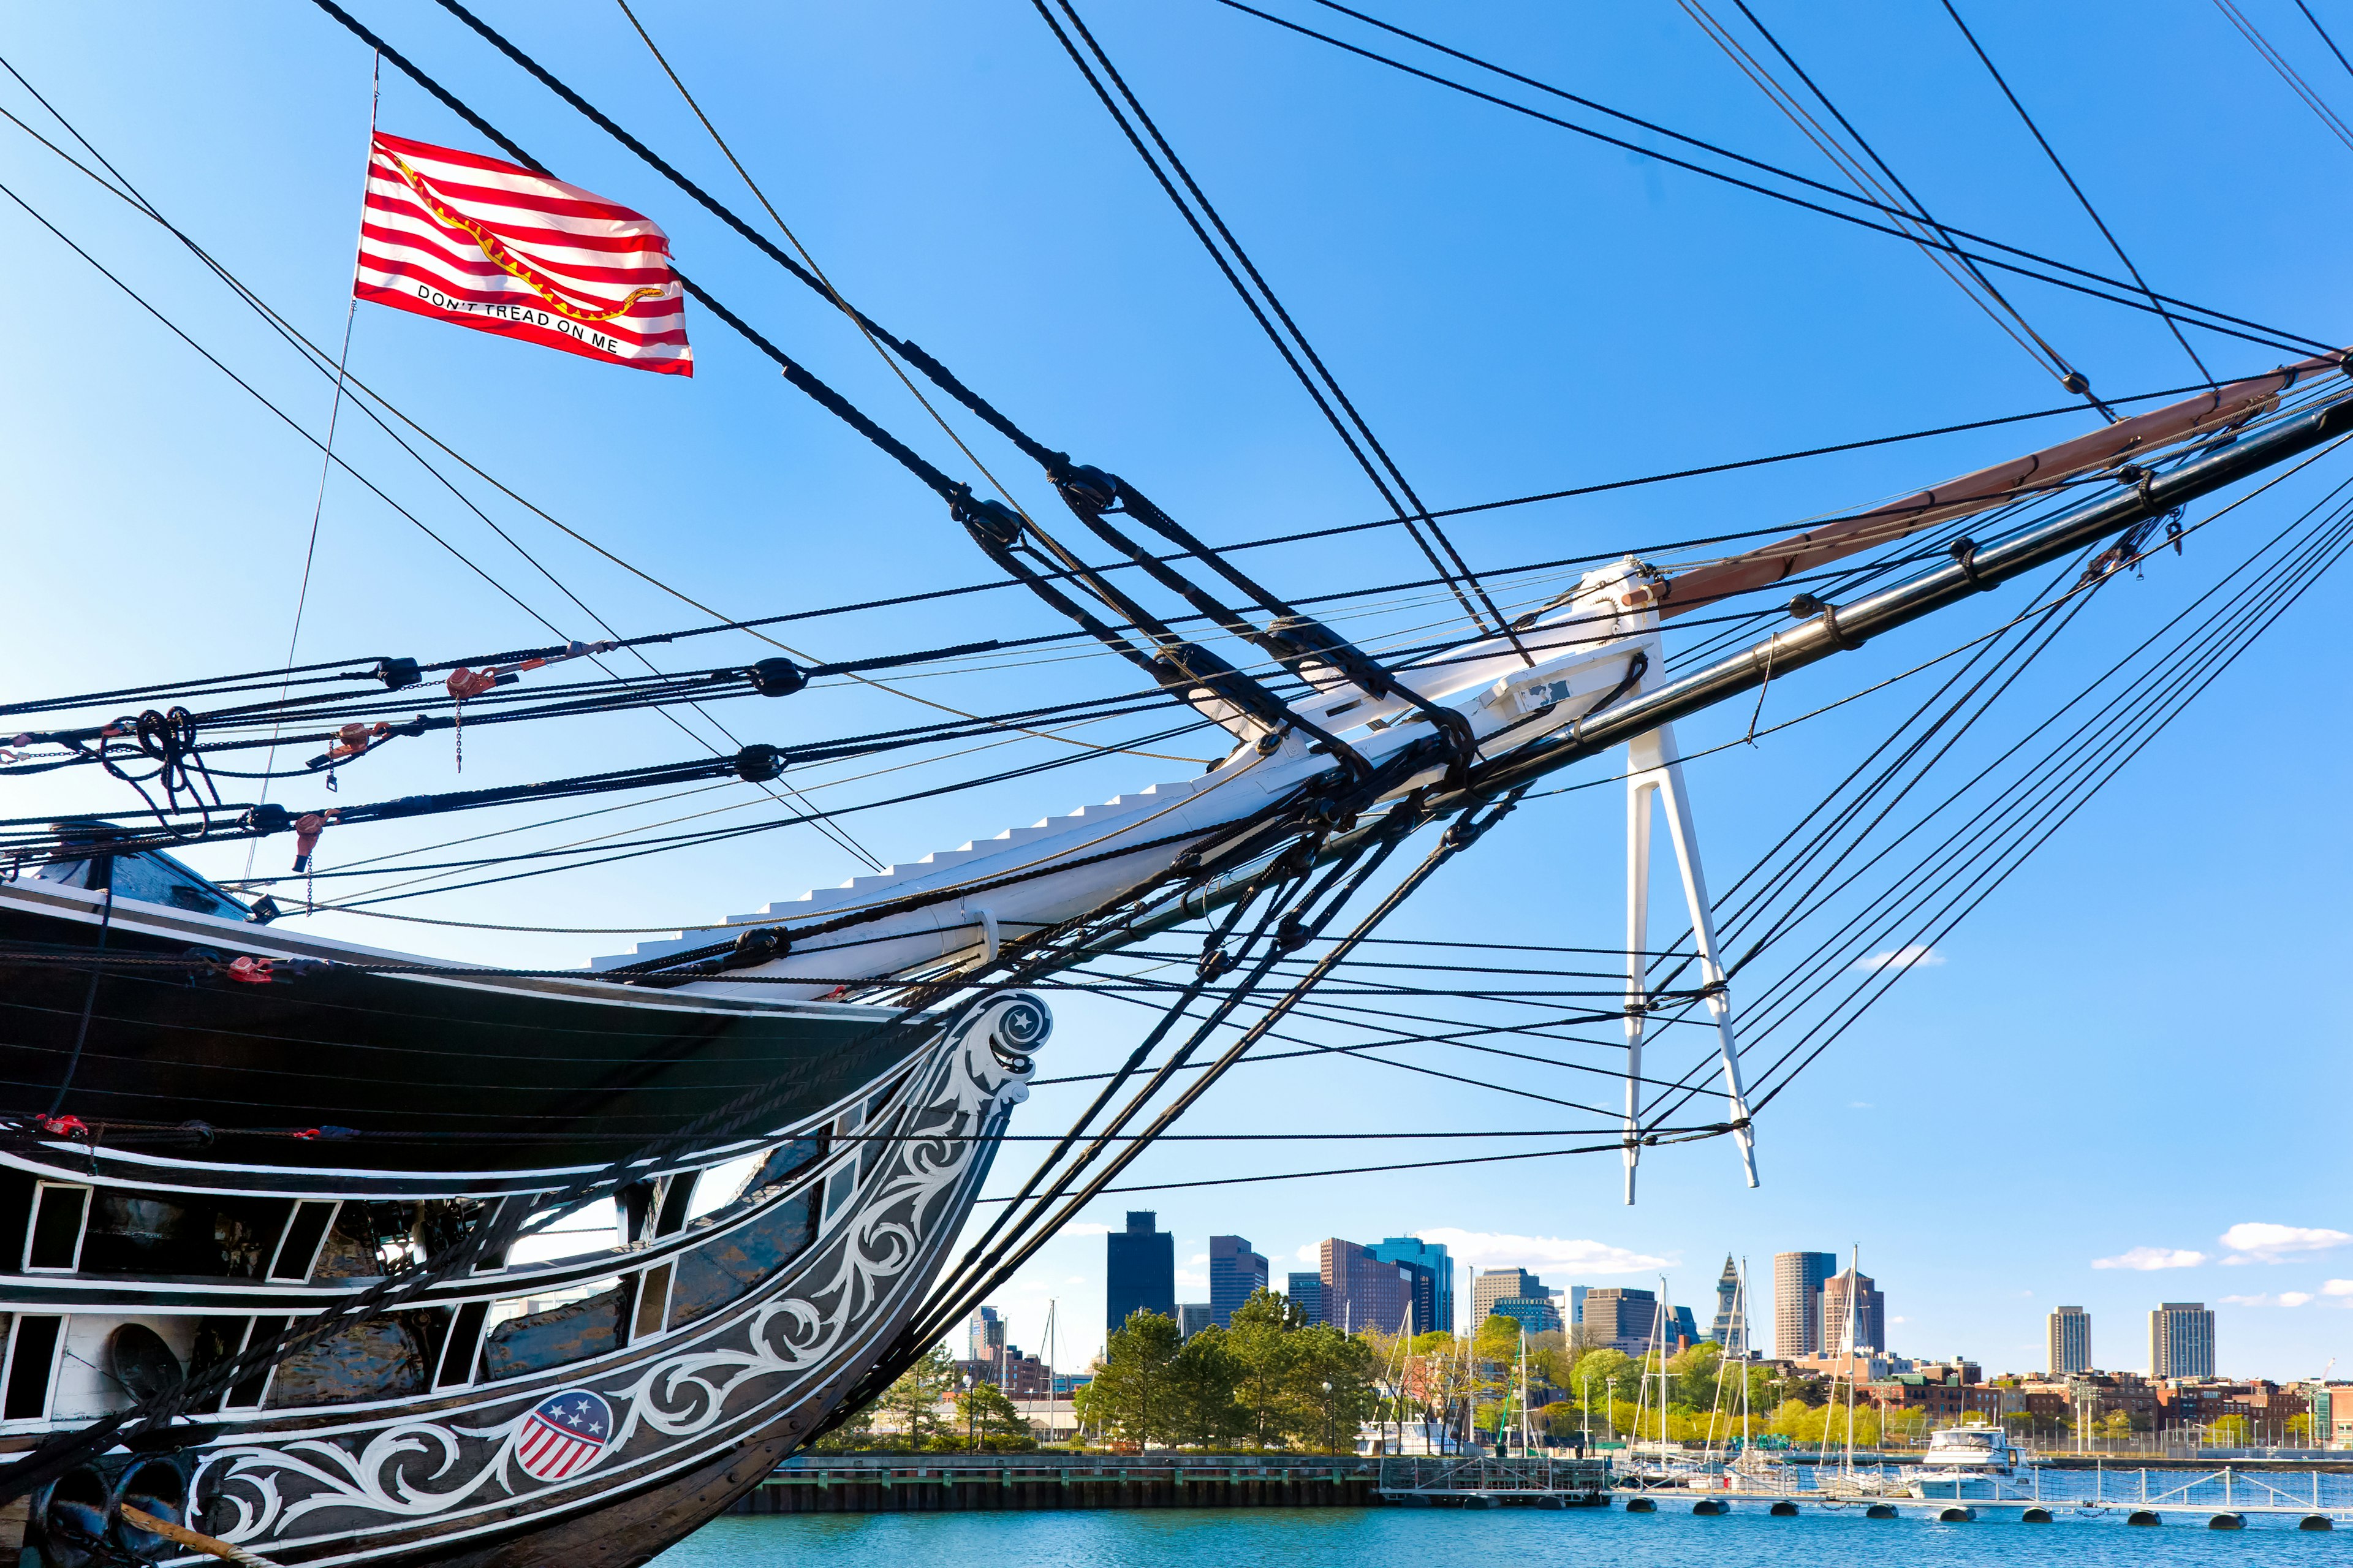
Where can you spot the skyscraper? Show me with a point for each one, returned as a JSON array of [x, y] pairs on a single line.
[[1798, 1279], [1621, 1317], [1139, 1270], [1682, 1326], [1361, 1291], [1853, 1305], [1422, 1291], [984, 1336], [1432, 1256], [2181, 1340], [1730, 1327], [1496, 1285], [2070, 1341], [1235, 1272], [1192, 1317], [1306, 1292]]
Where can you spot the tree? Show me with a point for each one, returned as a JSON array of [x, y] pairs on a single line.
[[1261, 1342], [1692, 1376], [1130, 1394], [1202, 1409], [1612, 1374], [915, 1398], [986, 1415], [1331, 1387]]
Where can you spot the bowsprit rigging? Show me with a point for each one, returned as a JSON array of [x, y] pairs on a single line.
[[341, 1223]]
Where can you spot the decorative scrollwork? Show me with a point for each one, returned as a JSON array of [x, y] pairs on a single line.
[[677, 1395]]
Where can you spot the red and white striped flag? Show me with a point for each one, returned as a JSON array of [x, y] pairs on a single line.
[[499, 248]]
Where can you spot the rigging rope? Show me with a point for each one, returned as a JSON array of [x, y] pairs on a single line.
[[2051, 152], [2254, 332]]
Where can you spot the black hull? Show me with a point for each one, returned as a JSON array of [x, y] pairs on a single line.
[[389, 1072], [719, 1323]]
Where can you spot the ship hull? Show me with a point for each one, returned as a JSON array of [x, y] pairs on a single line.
[[734, 1302]]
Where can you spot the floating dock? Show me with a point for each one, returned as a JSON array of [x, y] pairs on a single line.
[[2223, 1499]]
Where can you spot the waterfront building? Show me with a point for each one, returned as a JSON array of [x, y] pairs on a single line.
[[1139, 1270], [1499, 1285], [2071, 1342], [1621, 1317], [984, 1337], [1730, 1326], [1426, 1255], [1235, 1274], [1306, 1292], [1798, 1279], [1361, 1291], [1192, 1317], [1852, 1307], [2181, 1340]]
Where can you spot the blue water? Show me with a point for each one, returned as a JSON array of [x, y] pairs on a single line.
[[1409, 1538]]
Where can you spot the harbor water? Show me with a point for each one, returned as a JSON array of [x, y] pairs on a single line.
[[1604, 1538]]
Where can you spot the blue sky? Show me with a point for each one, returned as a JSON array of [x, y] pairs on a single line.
[[2124, 1058]]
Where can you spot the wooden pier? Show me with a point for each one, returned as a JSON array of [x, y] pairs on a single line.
[[894, 1483]]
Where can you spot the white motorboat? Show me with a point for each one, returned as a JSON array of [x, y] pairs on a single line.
[[1970, 1462]]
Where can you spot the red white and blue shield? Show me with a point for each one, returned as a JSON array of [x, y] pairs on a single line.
[[564, 1434]]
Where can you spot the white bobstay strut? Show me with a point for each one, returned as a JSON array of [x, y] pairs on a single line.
[[1654, 768]]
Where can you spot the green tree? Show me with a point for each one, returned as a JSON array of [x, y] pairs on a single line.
[[1262, 1342], [1331, 1387], [1612, 1374], [987, 1417], [1692, 1377], [1202, 1379], [1130, 1397], [915, 1399]]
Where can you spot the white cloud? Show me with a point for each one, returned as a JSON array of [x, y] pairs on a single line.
[[1311, 1255], [1198, 1257], [1899, 1320], [2146, 1258], [1491, 1250], [1085, 1228], [1910, 956], [2285, 1299], [2338, 1288], [2258, 1241], [1187, 1277], [2295, 1297], [1076, 1279]]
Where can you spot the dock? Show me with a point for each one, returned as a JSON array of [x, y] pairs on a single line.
[[2220, 1498], [908, 1483], [1415, 1481]]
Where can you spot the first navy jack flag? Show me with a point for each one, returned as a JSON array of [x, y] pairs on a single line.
[[500, 248]]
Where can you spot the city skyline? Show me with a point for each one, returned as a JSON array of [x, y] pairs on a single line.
[[2182, 1340]]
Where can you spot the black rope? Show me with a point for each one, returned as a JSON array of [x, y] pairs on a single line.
[[2093, 213], [2065, 370], [2256, 332], [1318, 384]]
